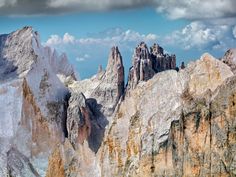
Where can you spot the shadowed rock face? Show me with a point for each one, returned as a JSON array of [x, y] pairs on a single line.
[[145, 64], [78, 123], [161, 61], [85, 122]]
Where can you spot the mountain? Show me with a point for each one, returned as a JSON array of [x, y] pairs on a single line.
[[165, 122], [147, 63], [33, 102]]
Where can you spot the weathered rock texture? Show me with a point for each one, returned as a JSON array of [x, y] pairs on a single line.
[[107, 86], [85, 122], [32, 99], [87, 116], [145, 64], [175, 131], [230, 59], [19, 165]]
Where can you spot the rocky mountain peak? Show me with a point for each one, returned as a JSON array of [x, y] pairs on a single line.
[[106, 87], [115, 68], [17, 63], [146, 64], [141, 52], [112, 83], [34, 115]]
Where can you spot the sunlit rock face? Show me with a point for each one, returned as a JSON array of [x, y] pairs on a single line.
[[171, 125], [33, 111]]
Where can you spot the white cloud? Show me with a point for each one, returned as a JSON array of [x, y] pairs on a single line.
[[234, 31], [200, 35], [86, 55], [82, 58], [118, 37], [175, 9], [97, 46], [54, 40], [197, 9], [67, 38], [7, 2], [57, 40], [79, 59]]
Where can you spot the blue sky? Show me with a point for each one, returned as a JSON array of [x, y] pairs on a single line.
[[86, 34]]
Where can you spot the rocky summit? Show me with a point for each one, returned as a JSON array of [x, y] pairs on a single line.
[[147, 63], [53, 125]]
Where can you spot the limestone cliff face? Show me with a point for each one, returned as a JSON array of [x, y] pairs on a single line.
[[182, 130], [33, 109]]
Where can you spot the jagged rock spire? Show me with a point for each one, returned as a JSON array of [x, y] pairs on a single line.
[[111, 88], [115, 68], [142, 66], [145, 64]]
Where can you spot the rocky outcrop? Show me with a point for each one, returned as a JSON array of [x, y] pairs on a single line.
[[188, 132], [78, 120], [161, 61], [135, 133], [142, 66], [85, 122], [91, 107], [145, 64], [107, 86], [153, 136], [202, 142], [111, 87], [230, 59], [33, 110]]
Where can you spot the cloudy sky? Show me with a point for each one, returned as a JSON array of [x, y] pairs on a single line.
[[86, 29]]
